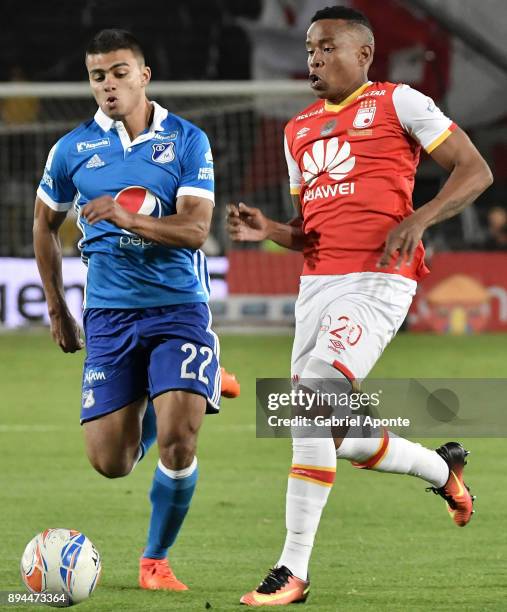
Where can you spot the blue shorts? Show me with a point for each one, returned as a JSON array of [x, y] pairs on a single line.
[[146, 352]]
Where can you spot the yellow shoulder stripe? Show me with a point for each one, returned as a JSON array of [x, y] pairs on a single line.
[[438, 141]]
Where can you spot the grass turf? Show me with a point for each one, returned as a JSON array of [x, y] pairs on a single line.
[[383, 544]]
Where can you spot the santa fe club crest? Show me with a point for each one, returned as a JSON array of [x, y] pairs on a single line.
[[365, 114]]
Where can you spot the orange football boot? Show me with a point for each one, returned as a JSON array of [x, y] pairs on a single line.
[[156, 574], [230, 384], [279, 588], [455, 491]]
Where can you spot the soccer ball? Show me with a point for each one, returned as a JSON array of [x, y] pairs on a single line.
[[61, 561]]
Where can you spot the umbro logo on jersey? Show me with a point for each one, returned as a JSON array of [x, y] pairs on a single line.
[[95, 162], [327, 157], [302, 132], [163, 152]]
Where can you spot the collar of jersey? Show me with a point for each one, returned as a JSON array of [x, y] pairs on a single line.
[[336, 108], [159, 115]]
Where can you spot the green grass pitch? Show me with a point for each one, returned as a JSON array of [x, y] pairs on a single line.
[[383, 545]]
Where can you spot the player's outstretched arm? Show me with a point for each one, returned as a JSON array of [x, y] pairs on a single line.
[[469, 177], [189, 228], [48, 254], [248, 224]]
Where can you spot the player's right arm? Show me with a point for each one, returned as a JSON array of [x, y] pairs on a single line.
[[48, 253], [55, 195], [249, 224]]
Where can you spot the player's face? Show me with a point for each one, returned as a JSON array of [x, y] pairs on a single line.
[[338, 58], [117, 80]]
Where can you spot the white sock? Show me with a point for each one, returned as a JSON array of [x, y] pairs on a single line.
[[310, 481], [396, 455]]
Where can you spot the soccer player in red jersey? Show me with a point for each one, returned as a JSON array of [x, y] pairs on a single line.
[[352, 157]]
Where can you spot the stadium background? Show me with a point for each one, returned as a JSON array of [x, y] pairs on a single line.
[[236, 68]]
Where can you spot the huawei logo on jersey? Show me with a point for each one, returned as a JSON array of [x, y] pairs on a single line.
[[327, 158]]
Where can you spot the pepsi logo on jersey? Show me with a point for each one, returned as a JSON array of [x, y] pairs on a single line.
[[139, 200]]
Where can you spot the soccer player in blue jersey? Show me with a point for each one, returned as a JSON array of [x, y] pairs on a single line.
[[141, 181]]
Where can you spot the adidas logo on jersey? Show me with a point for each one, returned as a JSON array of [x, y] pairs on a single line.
[[327, 157], [95, 162]]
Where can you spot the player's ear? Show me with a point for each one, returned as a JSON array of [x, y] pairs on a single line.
[[145, 75], [365, 55]]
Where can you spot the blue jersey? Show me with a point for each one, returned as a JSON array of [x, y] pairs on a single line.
[[170, 159]]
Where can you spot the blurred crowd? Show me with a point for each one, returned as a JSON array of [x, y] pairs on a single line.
[[241, 40], [183, 39], [496, 236]]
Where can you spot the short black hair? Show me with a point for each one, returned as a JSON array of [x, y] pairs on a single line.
[[345, 13], [114, 39]]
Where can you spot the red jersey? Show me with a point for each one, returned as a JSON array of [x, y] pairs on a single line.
[[353, 165]]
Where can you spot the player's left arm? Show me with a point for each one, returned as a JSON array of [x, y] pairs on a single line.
[[188, 228], [469, 174], [469, 177]]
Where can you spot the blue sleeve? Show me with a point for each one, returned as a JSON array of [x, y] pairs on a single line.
[[197, 175], [56, 188]]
